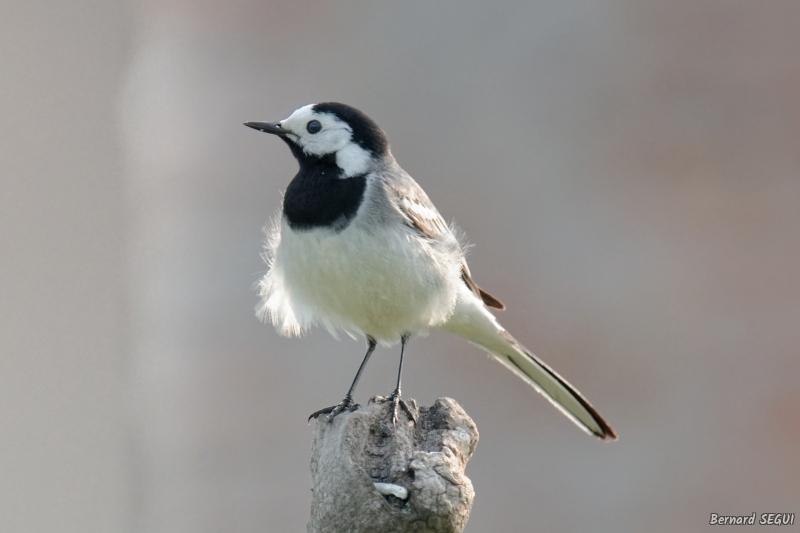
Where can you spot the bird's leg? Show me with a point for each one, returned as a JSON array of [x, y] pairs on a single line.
[[348, 403], [395, 397]]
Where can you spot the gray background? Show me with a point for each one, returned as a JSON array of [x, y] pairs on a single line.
[[629, 174]]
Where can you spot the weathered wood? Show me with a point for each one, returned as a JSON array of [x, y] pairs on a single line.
[[358, 449]]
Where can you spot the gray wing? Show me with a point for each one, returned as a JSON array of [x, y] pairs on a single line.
[[419, 212]]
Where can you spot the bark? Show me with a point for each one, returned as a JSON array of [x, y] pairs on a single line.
[[359, 449]]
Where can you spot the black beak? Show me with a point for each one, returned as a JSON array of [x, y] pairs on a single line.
[[267, 127]]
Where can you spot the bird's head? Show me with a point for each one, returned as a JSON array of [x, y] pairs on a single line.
[[331, 132]]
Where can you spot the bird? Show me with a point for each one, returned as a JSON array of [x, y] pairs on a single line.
[[358, 247]]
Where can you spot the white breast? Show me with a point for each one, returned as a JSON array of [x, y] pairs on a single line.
[[383, 282]]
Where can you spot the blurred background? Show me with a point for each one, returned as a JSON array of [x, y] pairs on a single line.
[[629, 173]]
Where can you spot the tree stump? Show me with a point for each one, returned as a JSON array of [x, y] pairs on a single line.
[[368, 477]]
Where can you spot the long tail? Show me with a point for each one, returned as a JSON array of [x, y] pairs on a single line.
[[473, 322]]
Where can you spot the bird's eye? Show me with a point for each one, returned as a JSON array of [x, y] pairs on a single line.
[[313, 126]]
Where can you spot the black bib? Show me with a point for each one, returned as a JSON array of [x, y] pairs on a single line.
[[320, 196]]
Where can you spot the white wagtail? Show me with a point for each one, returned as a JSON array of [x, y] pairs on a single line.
[[359, 247]]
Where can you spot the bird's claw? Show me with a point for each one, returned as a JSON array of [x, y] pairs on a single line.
[[345, 405], [396, 401]]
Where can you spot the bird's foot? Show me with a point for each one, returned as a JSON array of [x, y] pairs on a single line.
[[345, 405], [396, 401]]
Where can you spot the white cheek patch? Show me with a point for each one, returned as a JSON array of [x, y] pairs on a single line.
[[328, 141], [353, 160], [335, 137]]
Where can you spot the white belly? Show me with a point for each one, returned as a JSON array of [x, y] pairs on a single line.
[[379, 283]]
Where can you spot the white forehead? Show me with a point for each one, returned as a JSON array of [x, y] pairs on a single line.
[[298, 120]]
